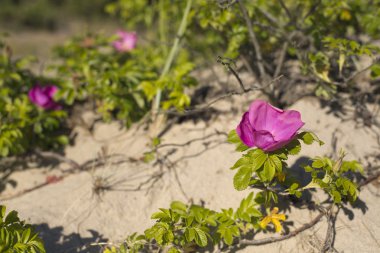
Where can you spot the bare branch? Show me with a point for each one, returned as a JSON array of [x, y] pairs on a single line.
[[330, 233], [353, 76], [254, 40], [281, 59], [227, 64], [286, 9], [312, 10], [268, 16]]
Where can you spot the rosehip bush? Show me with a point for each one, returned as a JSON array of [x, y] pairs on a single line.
[[289, 34], [29, 116], [267, 136], [120, 75]]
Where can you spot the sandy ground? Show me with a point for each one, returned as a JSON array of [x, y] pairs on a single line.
[[71, 213]]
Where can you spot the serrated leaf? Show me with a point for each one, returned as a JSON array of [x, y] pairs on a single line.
[[276, 162], [269, 171], [227, 236], [258, 157], [179, 207], [160, 215], [242, 161], [200, 237], [190, 234], [242, 178], [318, 163], [336, 196]]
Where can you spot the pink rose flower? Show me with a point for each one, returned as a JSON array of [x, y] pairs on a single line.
[[43, 96], [126, 42], [267, 127]]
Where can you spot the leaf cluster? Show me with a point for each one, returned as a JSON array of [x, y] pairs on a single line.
[[332, 177], [183, 227], [22, 124], [121, 85], [16, 236]]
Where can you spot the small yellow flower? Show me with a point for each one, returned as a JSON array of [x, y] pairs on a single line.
[[274, 218]]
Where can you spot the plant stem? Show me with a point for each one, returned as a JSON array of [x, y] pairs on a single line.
[[172, 54], [254, 41]]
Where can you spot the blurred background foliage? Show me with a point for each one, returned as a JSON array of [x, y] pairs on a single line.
[[317, 45], [49, 14]]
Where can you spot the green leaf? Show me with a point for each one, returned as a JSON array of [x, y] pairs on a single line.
[[200, 237], [25, 235], [242, 161], [242, 178], [276, 162], [258, 158], [294, 147], [318, 163], [227, 236], [2, 212], [173, 250], [189, 220], [336, 196], [190, 234], [351, 166], [63, 140], [156, 141], [269, 170], [309, 138], [234, 138], [178, 207], [164, 214], [12, 217], [149, 157]]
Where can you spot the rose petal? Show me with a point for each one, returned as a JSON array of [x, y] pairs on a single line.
[[279, 144], [40, 98], [268, 128], [32, 95], [245, 131], [263, 139], [50, 90], [262, 115], [126, 42], [43, 96], [287, 124]]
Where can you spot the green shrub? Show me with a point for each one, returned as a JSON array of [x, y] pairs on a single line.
[[16, 236], [23, 125]]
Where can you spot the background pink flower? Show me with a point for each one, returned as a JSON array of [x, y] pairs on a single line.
[[43, 96], [126, 42], [267, 127]]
